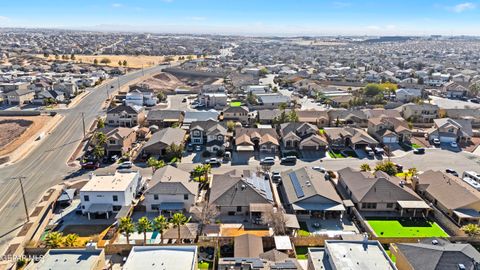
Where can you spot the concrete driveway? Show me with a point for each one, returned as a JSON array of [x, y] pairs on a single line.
[[312, 155]]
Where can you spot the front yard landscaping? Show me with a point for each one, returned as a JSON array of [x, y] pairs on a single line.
[[406, 228], [333, 154], [205, 265], [236, 104]]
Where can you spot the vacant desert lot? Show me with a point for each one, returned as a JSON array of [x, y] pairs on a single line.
[[132, 60], [14, 131]]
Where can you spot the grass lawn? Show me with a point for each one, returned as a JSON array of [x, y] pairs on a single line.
[[204, 265], [406, 228], [236, 104], [301, 253], [415, 146], [392, 257], [335, 154], [303, 229]]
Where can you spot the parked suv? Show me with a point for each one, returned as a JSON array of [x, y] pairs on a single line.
[[289, 160], [267, 161]]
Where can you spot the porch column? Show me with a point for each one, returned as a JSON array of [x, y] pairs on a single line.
[[401, 212], [324, 213], [88, 214], [414, 212], [107, 215]]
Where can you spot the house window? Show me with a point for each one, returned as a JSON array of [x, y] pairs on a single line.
[[196, 141], [185, 197], [155, 206], [111, 121], [196, 133], [155, 196], [116, 208], [113, 141], [369, 205], [389, 205], [239, 209], [115, 198], [86, 198]]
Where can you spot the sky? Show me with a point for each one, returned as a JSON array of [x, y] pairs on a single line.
[[249, 17]]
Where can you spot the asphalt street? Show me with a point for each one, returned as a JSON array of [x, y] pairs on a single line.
[[46, 165]]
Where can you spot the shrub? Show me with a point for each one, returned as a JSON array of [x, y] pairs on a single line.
[[206, 154]]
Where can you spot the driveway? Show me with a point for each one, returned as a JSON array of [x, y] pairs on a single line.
[[312, 155]]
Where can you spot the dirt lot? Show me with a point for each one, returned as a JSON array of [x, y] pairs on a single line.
[[132, 60], [14, 131], [167, 82]]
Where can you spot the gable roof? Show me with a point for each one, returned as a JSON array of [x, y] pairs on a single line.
[[170, 180], [164, 114], [237, 109], [167, 136], [209, 126], [125, 108], [248, 246], [465, 126], [286, 128]]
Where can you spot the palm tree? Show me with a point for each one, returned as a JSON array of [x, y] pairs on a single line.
[[54, 239], [101, 138], [127, 227], [70, 240], [412, 171], [179, 220], [471, 229], [144, 225], [160, 224], [365, 167]]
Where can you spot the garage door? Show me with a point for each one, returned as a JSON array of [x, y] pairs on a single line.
[[445, 139], [309, 147], [389, 139]]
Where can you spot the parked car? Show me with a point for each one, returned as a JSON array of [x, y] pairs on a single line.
[[198, 148], [288, 160], [184, 100], [189, 147], [419, 151], [379, 151], [436, 141], [267, 161], [399, 167], [475, 100], [454, 144], [125, 165], [452, 172], [90, 165], [320, 169], [276, 178], [213, 162]]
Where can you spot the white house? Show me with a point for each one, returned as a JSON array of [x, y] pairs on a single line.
[[138, 98], [407, 94], [107, 194]]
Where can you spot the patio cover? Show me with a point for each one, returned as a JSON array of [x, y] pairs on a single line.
[[171, 206], [124, 211], [318, 207], [100, 208], [245, 148], [291, 221], [413, 205], [260, 207], [467, 213], [282, 242]]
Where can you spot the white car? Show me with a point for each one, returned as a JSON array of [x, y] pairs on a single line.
[[454, 144], [318, 168], [436, 141]]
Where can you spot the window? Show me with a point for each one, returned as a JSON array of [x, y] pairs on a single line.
[[369, 205], [389, 205], [196, 141], [116, 208], [115, 198], [113, 142], [196, 133], [185, 197], [86, 198], [155, 196], [155, 206], [239, 209]]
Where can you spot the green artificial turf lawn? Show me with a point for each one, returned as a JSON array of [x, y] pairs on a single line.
[[407, 228], [301, 253], [236, 104]]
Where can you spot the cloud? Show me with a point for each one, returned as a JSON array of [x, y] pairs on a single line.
[[373, 27], [338, 4], [463, 7], [4, 18], [197, 18], [117, 5]]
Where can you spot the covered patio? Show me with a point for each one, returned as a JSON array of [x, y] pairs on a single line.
[[170, 208], [99, 209], [318, 210], [413, 207], [466, 216], [258, 210]]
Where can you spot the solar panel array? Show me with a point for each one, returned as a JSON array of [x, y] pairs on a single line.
[[296, 185], [261, 185]]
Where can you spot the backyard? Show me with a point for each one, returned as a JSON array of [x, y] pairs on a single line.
[[406, 228], [235, 104], [301, 253]]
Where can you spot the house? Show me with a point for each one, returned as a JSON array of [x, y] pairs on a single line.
[[191, 117], [448, 130], [210, 133], [107, 194], [170, 190], [256, 139], [466, 114], [213, 100], [306, 193], [454, 90], [407, 94], [162, 257], [241, 193], [270, 116], [454, 197], [340, 117], [348, 137], [89, 258], [375, 113], [162, 139], [70, 89], [236, 114], [272, 101], [20, 96], [433, 254], [125, 116], [352, 255], [303, 136], [379, 192], [141, 97], [47, 96], [318, 118], [164, 118], [389, 130], [419, 113], [120, 140], [247, 246]]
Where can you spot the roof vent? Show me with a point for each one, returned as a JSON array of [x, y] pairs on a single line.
[[461, 266], [434, 242], [243, 187], [308, 183]]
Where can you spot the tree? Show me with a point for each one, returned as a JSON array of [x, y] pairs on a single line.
[[95, 61], [70, 240], [412, 172], [161, 96], [98, 152], [475, 89], [125, 63], [189, 57], [292, 116], [54, 239], [57, 57], [365, 167], [72, 57], [177, 221], [208, 213], [143, 226], [252, 98], [120, 63], [100, 138], [100, 122], [126, 227], [174, 150], [202, 171], [276, 220], [105, 61], [230, 126], [372, 89], [471, 229], [263, 71], [387, 167], [160, 224], [155, 164], [46, 55]]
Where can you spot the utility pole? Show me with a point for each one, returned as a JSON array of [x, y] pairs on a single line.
[[23, 195], [143, 72], [118, 83], [83, 122]]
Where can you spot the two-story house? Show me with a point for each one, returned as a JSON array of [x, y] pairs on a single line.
[[449, 130], [170, 190], [303, 136], [119, 140], [103, 195], [237, 114], [125, 116], [210, 133], [389, 130], [256, 139], [419, 113]]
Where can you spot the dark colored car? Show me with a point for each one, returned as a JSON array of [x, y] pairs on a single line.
[[90, 165], [289, 160], [419, 151], [452, 172]]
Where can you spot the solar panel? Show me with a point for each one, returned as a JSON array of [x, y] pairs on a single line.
[[296, 185]]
